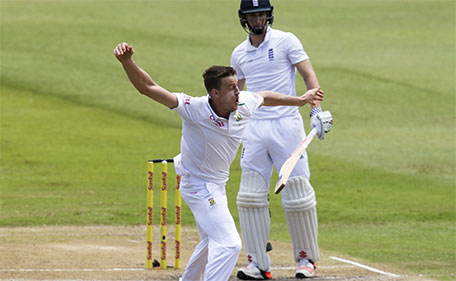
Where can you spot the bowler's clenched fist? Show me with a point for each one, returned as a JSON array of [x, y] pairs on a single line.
[[123, 52]]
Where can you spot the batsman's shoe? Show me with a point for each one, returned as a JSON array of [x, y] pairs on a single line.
[[305, 269], [252, 272]]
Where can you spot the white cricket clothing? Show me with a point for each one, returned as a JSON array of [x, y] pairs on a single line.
[[299, 204], [270, 142], [274, 132], [277, 54], [253, 208], [209, 143], [215, 256], [208, 146]]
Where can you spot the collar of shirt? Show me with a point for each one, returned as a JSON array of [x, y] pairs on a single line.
[[222, 121], [219, 121], [250, 47]]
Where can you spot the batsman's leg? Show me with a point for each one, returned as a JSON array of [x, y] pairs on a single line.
[[299, 204], [254, 217], [252, 199]]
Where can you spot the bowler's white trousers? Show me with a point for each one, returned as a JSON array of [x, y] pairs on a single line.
[[216, 255]]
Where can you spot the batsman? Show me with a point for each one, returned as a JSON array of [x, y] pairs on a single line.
[[268, 60]]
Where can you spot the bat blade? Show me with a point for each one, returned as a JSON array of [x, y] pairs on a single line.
[[289, 165]]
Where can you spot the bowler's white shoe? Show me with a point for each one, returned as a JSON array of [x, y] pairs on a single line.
[[252, 272], [306, 269]]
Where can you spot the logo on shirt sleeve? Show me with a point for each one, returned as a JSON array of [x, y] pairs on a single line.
[[187, 99]]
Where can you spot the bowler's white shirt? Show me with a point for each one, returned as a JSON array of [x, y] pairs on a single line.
[[277, 54], [209, 143]]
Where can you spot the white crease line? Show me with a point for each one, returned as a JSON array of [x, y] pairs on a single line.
[[323, 266], [69, 269], [130, 269], [365, 267], [9, 279]]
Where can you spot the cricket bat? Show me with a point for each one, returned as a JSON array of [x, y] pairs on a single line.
[[289, 165]]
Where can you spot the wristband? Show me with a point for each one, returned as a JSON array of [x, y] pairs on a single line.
[[315, 111]]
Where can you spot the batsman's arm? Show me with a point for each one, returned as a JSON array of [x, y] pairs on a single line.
[[307, 73], [273, 98], [141, 79]]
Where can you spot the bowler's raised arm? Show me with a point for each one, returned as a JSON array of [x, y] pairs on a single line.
[[141, 79]]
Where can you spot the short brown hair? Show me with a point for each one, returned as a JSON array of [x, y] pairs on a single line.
[[214, 74]]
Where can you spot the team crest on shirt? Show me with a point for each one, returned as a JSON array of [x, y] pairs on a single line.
[[271, 54], [211, 201], [238, 117]]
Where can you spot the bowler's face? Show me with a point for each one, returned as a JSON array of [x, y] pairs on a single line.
[[229, 93]]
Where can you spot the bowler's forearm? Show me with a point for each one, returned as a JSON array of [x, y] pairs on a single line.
[[274, 99], [138, 77], [146, 86]]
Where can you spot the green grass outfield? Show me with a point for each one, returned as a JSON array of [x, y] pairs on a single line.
[[75, 135]]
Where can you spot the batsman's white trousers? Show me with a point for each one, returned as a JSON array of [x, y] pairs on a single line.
[[215, 256], [269, 142]]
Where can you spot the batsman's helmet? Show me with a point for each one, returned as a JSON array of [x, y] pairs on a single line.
[[255, 6]]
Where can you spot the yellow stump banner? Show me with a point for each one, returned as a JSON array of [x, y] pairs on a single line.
[[150, 212], [177, 219], [150, 262], [163, 205]]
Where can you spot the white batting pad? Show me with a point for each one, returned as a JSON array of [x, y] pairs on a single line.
[[255, 221], [299, 204]]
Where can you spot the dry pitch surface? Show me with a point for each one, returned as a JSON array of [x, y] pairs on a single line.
[[118, 253]]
